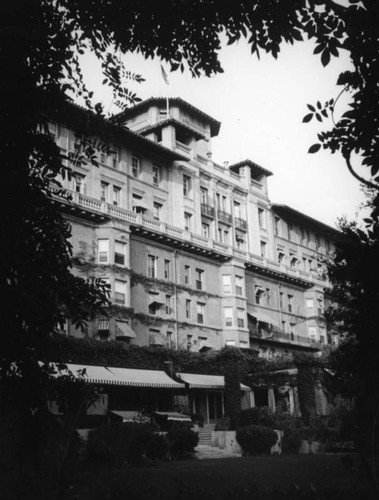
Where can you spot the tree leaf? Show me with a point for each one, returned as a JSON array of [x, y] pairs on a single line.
[[314, 148], [325, 57], [308, 118], [312, 108]]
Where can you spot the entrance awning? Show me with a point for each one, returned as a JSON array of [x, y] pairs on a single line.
[[171, 415], [199, 381], [122, 376], [261, 316], [124, 330]]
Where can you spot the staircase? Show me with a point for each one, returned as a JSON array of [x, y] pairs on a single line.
[[205, 449], [205, 435]]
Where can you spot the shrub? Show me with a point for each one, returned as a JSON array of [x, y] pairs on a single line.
[[156, 446], [182, 441], [115, 444], [223, 424], [256, 439], [256, 416]]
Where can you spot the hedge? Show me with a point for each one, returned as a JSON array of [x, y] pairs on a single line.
[[256, 439]]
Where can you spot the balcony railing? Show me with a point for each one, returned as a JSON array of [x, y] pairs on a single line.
[[207, 210], [279, 336], [240, 223], [224, 217]]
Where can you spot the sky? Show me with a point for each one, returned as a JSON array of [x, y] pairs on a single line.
[[261, 104]]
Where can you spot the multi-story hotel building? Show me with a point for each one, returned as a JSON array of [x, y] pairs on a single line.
[[195, 254]]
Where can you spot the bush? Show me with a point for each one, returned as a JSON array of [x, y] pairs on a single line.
[[256, 439], [156, 446], [114, 444], [182, 441], [256, 416], [223, 424], [197, 419]]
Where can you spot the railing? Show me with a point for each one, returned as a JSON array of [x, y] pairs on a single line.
[[102, 207], [224, 216], [207, 210], [279, 336], [182, 147], [240, 223]]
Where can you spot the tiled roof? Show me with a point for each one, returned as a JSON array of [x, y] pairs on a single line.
[[173, 121], [248, 163], [279, 208], [134, 110]]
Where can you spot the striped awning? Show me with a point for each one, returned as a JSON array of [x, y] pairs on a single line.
[[122, 376], [262, 316], [172, 415], [124, 330], [200, 381]]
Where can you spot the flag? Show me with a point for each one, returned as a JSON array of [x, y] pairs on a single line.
[[164, 75]]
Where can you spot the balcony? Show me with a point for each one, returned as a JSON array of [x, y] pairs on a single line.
[[280, 336], [207, 210], [224, 217], [240, 223]]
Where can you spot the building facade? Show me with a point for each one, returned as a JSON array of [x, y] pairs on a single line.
[[195, 254]]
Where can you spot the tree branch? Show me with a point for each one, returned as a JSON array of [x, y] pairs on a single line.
[[357, 176]]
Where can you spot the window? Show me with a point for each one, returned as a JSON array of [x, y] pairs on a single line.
[[136, 168], [293, 261], [268, 296], [167, 264], [281, 296], [223, 203], [169, 339], [292, 331], [188, 308], [120, 292], [199, 279], [152, 266], [263, 248], [157, 210], [116, 195], [259, 293], [320, 307], [119, 252], [237, 210], [168, 304], [240, 240], [322, 335], [226, 283], [79, 184], [104, 187], [189, 341], [186, 185], [284, 326], [277, 226], [187, 221], [153, 308], [200, 312], [310, 307], [103, 251], [103, 327], [239, 285], [226, 236], [138, 204], [230, 343], [187, 270], [228, 316], [205, 230], [156, 175], [281, 256], [261, 218], [113, 157], [240, 318], [312, 333], [290, 303], [289, 231], [204, 195]]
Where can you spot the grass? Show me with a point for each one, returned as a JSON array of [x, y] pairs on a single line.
[[315, 476]]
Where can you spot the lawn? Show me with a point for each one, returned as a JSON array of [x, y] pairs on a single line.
[[297, 477]]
